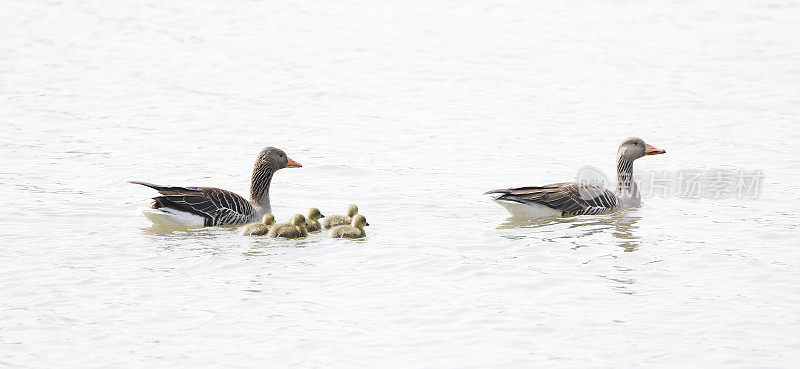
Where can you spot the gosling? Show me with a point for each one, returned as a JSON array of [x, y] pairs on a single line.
[[295, 229], [259, 228], [337, 220], [356, 230], [312, 219]]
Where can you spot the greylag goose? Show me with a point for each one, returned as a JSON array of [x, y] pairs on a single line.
[[295, 229], [355, 230], [567, 198], [312, 219], [259, 228], [209, 206], [337, 220]]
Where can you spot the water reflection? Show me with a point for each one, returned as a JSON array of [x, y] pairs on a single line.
[[182, 231], [624, 228], [621, 284], [263, 245], [220, 237], [622, 225]]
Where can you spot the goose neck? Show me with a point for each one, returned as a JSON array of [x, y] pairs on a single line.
[[259, 188], [626, 186]]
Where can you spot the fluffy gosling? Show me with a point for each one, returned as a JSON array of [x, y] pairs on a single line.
[[337, 220], [312, 219], [356, 230], [259, 228], [295, 229]]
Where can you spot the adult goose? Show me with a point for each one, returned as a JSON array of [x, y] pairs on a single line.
[[210, 206], [568, 198]]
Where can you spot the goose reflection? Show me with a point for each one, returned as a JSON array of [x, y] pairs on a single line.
[[622, 225], [208, 241], [180, 231], [624, 228]]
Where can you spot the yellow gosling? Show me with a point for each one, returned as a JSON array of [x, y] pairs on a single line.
[[337, 220], [295, 229], [259, 228], [312, 219], [355, 230]]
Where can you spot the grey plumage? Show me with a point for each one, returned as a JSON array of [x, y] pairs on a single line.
[[221, 207], [569, 198], [579, 199]]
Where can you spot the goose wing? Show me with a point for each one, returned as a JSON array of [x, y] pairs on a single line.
[[217, 206], [569, 198]]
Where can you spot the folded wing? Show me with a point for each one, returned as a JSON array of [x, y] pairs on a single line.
[[569, 198], [217, 206]]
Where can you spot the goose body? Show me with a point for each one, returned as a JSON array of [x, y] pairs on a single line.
[[295, 229], [353, 230], [568, 198], [337, 220], [210, 206], [259, 228]]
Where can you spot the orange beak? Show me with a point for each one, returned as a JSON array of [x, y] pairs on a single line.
[[652, 150], [292, 164]]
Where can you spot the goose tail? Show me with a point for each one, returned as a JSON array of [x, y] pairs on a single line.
[[172, 217]]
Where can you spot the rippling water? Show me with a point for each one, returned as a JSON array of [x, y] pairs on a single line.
[[411, 110]]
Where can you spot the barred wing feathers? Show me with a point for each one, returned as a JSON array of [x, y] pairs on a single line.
[[569, 198], [217, 206]]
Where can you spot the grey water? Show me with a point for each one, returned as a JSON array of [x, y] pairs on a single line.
[[411, 110]]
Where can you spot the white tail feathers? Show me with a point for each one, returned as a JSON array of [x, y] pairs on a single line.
[[528, 210], [172, 217]]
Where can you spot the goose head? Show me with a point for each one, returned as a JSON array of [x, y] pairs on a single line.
[[299, 221], [268, 219], [360, 221], [271, 159], [314, 214], [352, 210], [634, 148]]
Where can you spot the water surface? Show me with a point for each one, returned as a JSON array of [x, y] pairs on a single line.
[[411, 110]]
